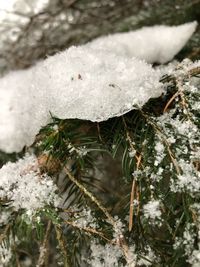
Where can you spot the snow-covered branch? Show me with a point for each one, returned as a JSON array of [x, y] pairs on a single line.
[[91, 82]]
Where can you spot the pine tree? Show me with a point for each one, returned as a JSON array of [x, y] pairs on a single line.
[[117, 192]]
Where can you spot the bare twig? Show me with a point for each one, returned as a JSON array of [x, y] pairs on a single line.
[[138, 158], [4, 234], [164, 140], [120, 240], [43, 248], [91, 196], [62, 245], [90, 231]]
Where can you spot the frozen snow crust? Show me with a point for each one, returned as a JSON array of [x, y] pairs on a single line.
[[87, 82]]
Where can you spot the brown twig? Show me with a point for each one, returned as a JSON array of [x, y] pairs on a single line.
[[170, 101], [90, 231], [163, 139], [43, 248], [120, 240], [99, 132], [62, 245], [4, 234], [134, 188], [134, 191], [91, 196]]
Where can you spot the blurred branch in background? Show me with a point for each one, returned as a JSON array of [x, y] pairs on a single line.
[[31, 30]]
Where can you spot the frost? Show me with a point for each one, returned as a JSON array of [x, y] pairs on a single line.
[[188, 243], [6, 252], [188, 180], [118, 229], [4, 217], [109, 255], [192, 250], [77, 83], [22, 185], [85, 218], [81, 151], [5, 255], [132, 153], [152, 210], [159, 152], [195, 258], [23, 7], [147, 258], [153, 44], [105, 256]]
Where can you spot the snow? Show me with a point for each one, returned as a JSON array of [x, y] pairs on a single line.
[[5, 255], [7, 5], [188, 180], [146, 259], [157, 44], [106, 256], [4, 217], [159, 152], [97, 81], [23, 185], [152, 209], [109, 255], [77, 83], [22, 6], [84, 218]]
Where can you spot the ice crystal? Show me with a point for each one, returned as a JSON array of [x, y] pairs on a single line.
[[152, 209], [4, 217], [22, 185], [105, 256], [5, 255], [85, 218], [147, 258]]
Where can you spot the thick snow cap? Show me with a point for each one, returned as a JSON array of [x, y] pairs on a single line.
[[87, 82]]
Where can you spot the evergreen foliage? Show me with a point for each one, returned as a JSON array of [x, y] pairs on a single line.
[[129, 186]]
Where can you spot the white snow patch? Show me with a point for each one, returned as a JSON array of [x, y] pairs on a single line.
[[107, 256], [4, 217], [5, 255], [24, 187], [147, 258], [152, 210], [77, 83], [94, 82], [157, 44]]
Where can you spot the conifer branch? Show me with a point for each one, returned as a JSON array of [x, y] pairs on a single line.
[[163, 139], [120, 240], [43, 248], [91, 197], [5, 233], [90, 230], [62, 245]]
